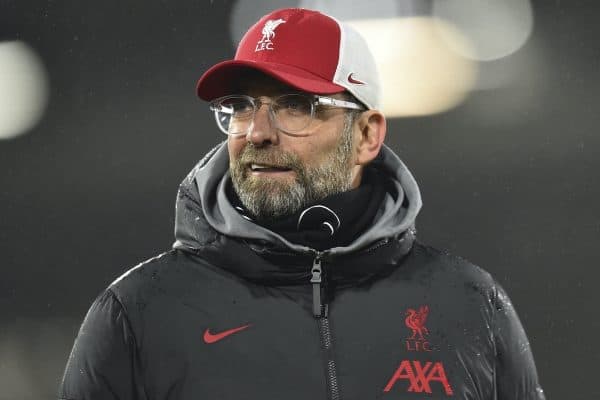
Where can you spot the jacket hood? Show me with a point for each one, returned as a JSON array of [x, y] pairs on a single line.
[[203, 212]]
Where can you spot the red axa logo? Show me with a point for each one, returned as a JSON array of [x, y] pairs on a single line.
[[419, 377], [415, 321]]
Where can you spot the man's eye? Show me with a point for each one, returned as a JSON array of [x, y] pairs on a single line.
[[293, 106], [241, 107], [296, 106]]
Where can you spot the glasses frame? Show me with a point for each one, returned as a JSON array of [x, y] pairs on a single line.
[[257, 102]]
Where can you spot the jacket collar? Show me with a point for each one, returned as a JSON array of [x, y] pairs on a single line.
[[203, 209]]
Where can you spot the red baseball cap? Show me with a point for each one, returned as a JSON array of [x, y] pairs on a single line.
[[305, 49]]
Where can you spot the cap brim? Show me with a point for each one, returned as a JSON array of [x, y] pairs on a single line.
[[222, 79]]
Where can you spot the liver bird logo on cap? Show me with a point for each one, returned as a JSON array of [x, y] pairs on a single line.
[[268, 33]]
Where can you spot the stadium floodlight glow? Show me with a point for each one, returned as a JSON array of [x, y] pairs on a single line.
[[420, 73], [496, 28], [23, 89]]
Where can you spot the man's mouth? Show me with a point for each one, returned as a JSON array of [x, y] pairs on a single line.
[[268, 168]]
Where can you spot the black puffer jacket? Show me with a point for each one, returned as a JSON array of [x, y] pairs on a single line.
[[235, 311]]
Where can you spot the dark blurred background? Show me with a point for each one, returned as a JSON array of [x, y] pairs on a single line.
[[509, 174]]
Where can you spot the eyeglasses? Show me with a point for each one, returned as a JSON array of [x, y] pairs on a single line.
[[290, 113]]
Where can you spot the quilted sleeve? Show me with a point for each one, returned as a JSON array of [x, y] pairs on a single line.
[[516, 374], [103, 363]]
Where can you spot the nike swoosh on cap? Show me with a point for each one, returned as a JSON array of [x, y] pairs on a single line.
[[212, 338], [352, 79]]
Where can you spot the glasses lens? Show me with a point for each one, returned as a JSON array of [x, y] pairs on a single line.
[[234, 114], [293, 112]]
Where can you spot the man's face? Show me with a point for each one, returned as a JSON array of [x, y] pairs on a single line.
[[302, 169]]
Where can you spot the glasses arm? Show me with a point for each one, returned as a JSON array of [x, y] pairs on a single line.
[[328, 101], [221, 108]]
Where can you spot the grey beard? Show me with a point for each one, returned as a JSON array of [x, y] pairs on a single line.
[[269, 199]]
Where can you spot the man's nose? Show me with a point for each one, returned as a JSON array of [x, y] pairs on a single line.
[[263, 131]]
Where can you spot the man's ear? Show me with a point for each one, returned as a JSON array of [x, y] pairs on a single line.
[[372, 127]]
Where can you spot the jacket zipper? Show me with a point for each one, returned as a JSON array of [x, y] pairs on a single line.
[[320, 311], [316, 285]]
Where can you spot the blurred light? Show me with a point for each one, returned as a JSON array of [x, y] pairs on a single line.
[[23, 89], [496, 28], [16, 380], [245, 13], [421, 74], [33, 355], [358, 10]]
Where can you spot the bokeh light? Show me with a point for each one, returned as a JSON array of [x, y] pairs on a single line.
[[23, 89], [246, 12], [496, 28], [421, 73], [373, 9]]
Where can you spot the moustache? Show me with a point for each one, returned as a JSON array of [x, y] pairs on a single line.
[[277, 158]]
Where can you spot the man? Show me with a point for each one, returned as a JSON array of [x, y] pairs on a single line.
[[296, 273]]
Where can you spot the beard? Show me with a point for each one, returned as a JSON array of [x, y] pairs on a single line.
[[269, 199]]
